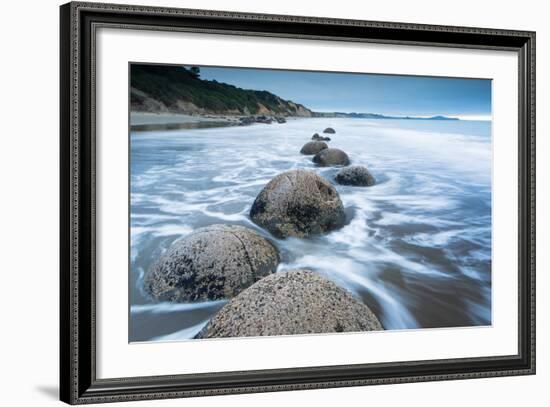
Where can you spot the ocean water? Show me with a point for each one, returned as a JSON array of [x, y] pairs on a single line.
[[416, 250]]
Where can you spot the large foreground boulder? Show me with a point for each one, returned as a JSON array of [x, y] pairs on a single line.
[[291, 303], [313, 147], [298, 203], [330, 157], [356, 175], [212, 263], [329, 130]]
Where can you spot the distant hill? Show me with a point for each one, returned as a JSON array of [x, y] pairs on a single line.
[[441, 118], [171, 88], [378, 116]]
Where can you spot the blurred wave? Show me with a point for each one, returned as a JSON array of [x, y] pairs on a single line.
[[417, 249]]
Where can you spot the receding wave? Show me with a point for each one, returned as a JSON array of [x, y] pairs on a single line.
[[167, 307]]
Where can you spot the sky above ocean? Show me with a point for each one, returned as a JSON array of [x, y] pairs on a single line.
[[396, 95]]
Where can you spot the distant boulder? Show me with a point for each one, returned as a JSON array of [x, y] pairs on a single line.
[[212, 263], [293, 302], [355, 175], [298, 203], [246, 120], [317, 137], [329, 130], [280, 119], [313, 147], [331, 157], [264, 119]]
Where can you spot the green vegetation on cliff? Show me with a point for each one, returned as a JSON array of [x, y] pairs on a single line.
[[173, 88]]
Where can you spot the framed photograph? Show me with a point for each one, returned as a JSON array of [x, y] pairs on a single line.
[[255, 203]]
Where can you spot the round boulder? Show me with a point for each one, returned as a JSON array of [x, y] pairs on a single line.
[[330, 157], [317, 137], [356, 175], [212, 263], [293, 302], [298, 203], [313, 147], [329, 130]]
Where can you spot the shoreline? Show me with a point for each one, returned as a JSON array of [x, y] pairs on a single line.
[[148, 118], [148, 121]]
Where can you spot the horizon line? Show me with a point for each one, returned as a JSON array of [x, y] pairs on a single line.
[[463, 117]]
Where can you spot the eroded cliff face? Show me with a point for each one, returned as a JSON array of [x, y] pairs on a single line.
[[143, 102], [302, 111]]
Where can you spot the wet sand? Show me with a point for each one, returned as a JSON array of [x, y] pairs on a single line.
[[144, 121]]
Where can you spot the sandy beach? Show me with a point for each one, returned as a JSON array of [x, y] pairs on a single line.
[[146, 121]]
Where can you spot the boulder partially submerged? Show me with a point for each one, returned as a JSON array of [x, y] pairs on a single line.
[[298, 203], [264, 119], [313, 147], [356, 175], [293, 302], [329, 130], [212, 263], [317, 137], [331, 157]]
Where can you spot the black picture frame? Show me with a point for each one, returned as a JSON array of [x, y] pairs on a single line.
[[78, 382]]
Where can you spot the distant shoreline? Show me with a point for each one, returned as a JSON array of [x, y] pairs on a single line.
[[146, 121], [149, 121], [144, 118]]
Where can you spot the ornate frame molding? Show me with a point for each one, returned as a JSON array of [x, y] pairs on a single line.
[[79, 21]]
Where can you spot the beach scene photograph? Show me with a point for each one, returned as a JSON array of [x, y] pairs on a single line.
[[270, 202]]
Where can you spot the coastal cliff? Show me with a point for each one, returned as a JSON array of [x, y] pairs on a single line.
[[176, 89]]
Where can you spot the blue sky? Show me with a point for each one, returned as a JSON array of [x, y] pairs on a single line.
[[384, 94]]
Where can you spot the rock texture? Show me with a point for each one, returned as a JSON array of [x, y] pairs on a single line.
[[313, 147], [331, 157], [290, 303], [214, 262], [298, 203], [355, 175], [329, 130]]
